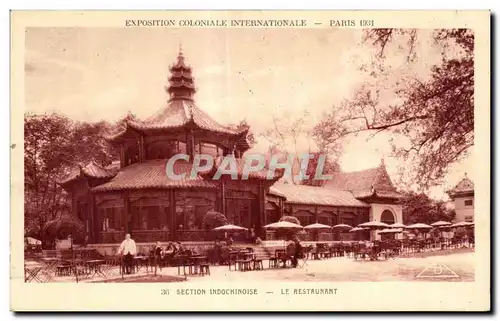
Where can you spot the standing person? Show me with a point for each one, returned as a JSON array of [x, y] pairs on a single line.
[[128, 250], [298, 251]]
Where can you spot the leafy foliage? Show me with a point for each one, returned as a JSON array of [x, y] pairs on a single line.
[[290, 219], [434, 115], [213, 219], [419, 208], [53, 145], [330, 166]]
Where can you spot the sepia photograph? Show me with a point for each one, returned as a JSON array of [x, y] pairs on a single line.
[[268, 149]]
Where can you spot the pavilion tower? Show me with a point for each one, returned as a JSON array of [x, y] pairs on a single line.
[[181, 81]]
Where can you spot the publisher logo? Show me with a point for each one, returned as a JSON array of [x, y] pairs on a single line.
[[438, 271]]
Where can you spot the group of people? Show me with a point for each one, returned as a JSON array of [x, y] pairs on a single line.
[[128, 250]]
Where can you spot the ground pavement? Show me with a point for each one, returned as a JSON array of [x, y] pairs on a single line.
[[457, 267]]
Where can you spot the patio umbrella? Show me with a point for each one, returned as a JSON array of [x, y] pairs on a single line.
[[230, 228], [391, 230], [397, 225], [459, 224], [463, 224], [374, 225], [32, 241], [317, 227], [357, 229], [342, 227], [419, 226], [284, 225], [441, 224]]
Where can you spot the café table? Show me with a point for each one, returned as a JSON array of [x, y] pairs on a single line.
[[197, 260], [94, 267]]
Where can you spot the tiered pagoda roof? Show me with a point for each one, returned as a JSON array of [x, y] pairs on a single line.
[[92, 170], [181, 111]]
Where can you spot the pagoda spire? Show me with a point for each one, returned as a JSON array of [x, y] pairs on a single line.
[[181, 82]]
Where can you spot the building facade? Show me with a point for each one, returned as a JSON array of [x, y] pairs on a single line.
[[139, 198], [463, 198]]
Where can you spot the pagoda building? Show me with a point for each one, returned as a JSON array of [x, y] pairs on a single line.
[[138, 197], [141, 199]]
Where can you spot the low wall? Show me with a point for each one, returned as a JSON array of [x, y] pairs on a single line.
[[111, 249]]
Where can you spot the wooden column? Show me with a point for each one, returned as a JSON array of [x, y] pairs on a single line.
[[142, 153], [262, 208], [316, 214], [223, 197], [126, 212], [91, 218], [122, 156], [172, 214], [74, 204]]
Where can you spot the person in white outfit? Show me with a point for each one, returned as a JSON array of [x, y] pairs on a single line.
[[128, 250]]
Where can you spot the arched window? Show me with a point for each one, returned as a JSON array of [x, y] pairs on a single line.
[[387, 217]]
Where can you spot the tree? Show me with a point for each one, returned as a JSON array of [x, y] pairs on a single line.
[[290, 219], [291, 137], [213, 219], [330, 166], [419, 208], [435, 115], [54, 145]]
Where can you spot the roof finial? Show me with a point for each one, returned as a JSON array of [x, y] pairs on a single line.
[[465, 174], [382, 162], [180, 49]]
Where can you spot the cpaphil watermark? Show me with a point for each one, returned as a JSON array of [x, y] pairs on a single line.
[[252, 163]]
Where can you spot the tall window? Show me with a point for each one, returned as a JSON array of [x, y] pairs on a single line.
[[112, 219], [304, 217]]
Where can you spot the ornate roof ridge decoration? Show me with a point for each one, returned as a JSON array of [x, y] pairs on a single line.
[[465, 186], [180, 111], [91, 170]]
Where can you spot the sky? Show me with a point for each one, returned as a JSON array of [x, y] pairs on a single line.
[[90, 74]]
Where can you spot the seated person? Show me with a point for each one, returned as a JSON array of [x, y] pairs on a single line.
[[229, 241], [158, 254]]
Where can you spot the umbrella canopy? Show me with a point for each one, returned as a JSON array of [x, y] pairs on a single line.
[[374, 225], [419, 226], [440, 223], [391, 230], [397, 225], [357, 229], [463, 224], [342, 227], [32, 241], [317, 226], [284, 225], [230, 228]]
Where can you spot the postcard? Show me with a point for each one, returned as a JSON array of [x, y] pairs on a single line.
[[250, 161]]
